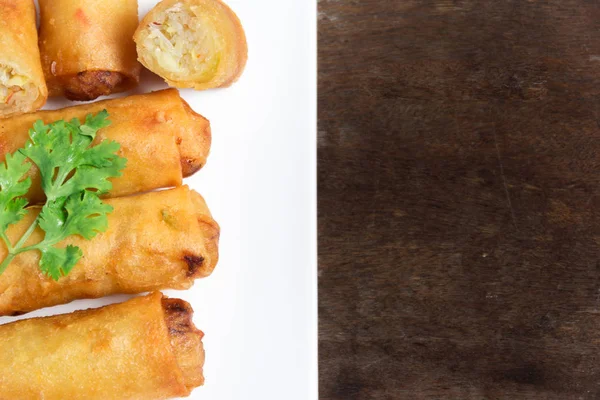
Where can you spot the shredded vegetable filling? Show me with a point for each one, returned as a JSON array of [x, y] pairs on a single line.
[[16, 91], [181, 44]]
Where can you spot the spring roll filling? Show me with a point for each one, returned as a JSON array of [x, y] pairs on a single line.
[[16, 90], [89, 85], [184, 42]]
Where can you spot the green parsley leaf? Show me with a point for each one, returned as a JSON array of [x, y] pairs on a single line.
[[12, 188], [67, 164], [59, 262], [74, 174], [81, 213]]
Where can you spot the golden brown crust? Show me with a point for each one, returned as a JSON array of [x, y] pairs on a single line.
[[158, 240], [122, 351], [232, 58], [161, 137], [186, 340], [85, 47], [19, 50]]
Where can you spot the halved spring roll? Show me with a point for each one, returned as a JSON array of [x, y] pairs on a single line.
[[162, 138], [196, 44], [144, 348], [87, 47], [157, 240], [22, 85]]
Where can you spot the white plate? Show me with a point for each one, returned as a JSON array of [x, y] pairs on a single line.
[[259, 307]]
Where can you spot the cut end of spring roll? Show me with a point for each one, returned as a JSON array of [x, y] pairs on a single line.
[[210, 231], [196, 44], [86, 47], [22, 85], [89, 85], [186, 340], [144, 348], [199, 136], [19, 93]]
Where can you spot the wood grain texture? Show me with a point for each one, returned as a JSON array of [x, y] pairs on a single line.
[[459, 198]]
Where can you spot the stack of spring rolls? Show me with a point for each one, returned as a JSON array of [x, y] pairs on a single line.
[[155, 240], [147, 347]]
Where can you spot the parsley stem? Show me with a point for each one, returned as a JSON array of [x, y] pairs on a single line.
[[6, 261], [13, 251], [28, 233], [16, 249], [9, 245], [28, 248]]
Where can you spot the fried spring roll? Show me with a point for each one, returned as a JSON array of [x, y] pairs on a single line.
[[87, 47], [22, 85], [144, 348], [157, 240], [197, 44], [162, 138]]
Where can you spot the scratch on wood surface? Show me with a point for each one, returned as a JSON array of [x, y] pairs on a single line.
[[372, 363], [445, 7], [597, 300], [501, 165]]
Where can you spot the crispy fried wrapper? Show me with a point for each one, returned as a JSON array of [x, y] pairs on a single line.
[[22, 85], [162, 138], [144, 348], [87, 48], [158, 240]]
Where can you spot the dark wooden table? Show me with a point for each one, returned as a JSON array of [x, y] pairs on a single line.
[[459, 199]]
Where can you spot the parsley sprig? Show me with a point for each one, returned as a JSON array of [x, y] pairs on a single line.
[[74, 174]]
